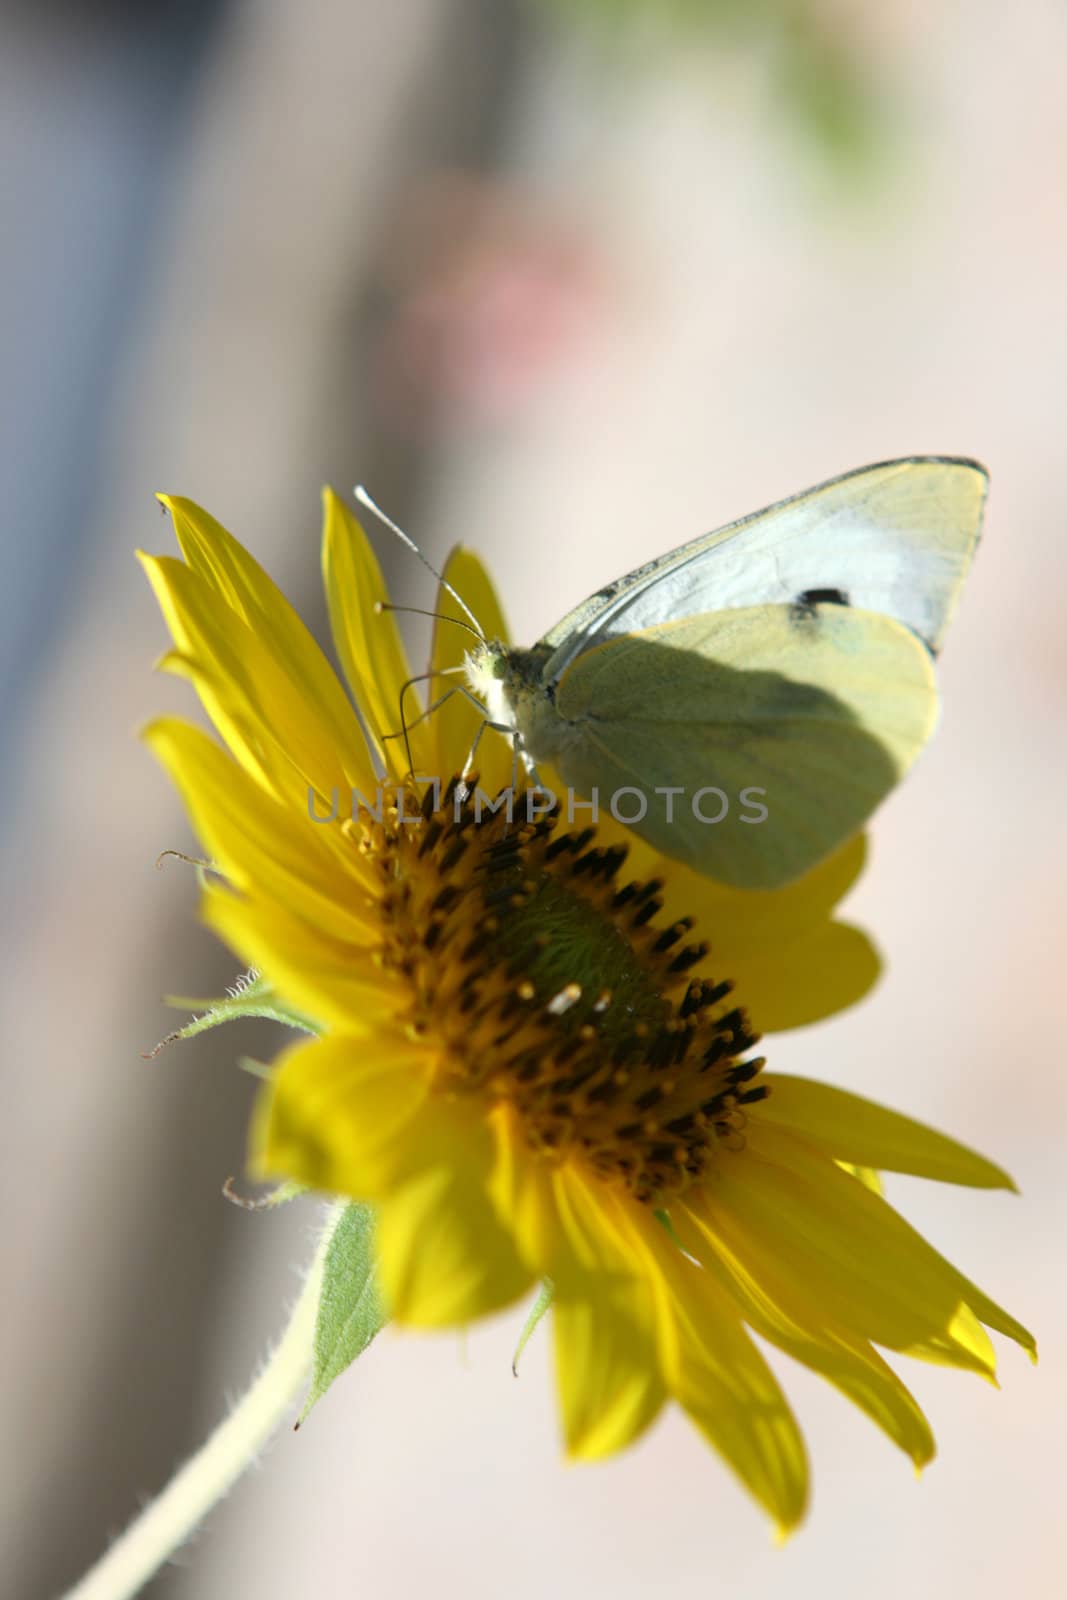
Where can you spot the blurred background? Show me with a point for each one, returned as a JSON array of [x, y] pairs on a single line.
[[571, 281]]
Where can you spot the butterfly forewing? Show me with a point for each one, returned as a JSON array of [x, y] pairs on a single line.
[[896, 538]]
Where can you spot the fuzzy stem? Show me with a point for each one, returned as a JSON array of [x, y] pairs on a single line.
[[174, 1515]]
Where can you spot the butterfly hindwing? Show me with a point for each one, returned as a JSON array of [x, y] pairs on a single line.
[[822, 706]]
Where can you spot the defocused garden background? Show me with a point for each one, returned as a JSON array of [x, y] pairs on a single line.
[[570, 281]]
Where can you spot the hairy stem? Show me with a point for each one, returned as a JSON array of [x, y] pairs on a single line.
[[166, 1522]]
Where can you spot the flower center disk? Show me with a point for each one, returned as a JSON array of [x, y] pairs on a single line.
[[549, 982]]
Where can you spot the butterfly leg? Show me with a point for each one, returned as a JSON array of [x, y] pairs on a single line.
[[406, 726], [423, 714], [497, 727]]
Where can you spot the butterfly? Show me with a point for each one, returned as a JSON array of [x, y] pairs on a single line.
[[746, 701]]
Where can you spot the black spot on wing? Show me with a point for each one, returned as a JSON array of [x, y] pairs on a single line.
[[805, 607]]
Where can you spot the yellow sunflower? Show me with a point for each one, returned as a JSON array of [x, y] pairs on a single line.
[[536, 1057]]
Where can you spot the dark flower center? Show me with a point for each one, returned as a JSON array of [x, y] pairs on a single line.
[[550, 982]]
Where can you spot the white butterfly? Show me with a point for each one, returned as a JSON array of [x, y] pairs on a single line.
[[788, 655]]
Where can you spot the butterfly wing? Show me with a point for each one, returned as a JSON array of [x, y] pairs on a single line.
[[896, 538], [824, 708]]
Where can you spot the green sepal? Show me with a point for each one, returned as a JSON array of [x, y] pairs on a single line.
[[350, 1307], [263, 1070], [545, 1296], [663, 1217], [280, 1195], [251, 996]]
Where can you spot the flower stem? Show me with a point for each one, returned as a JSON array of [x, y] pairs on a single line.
[[174, 1515]]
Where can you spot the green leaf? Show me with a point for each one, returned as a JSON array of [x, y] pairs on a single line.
[[350, 1307]]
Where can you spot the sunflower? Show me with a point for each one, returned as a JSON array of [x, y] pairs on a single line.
[[535, 1054]]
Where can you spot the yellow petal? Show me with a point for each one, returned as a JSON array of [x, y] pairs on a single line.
[[338, 982], [789, 985], [885, 1224], [595, 1237], [456, 723], [256, 842], [870, 1179], [743, 922], [217, 672], [791, 1215], [809, 1335], [790, 963], [607, 1371], [444, 1256], [368, 641], [993, 1315], [520, 1188], [717, 1375], [243, 586], [344, 1114], [259, 707], [862, 1133], [964, 1333], [568, 1225]]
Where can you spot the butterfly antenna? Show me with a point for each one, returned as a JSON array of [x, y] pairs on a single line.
[[437, 616], [365, 500]]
